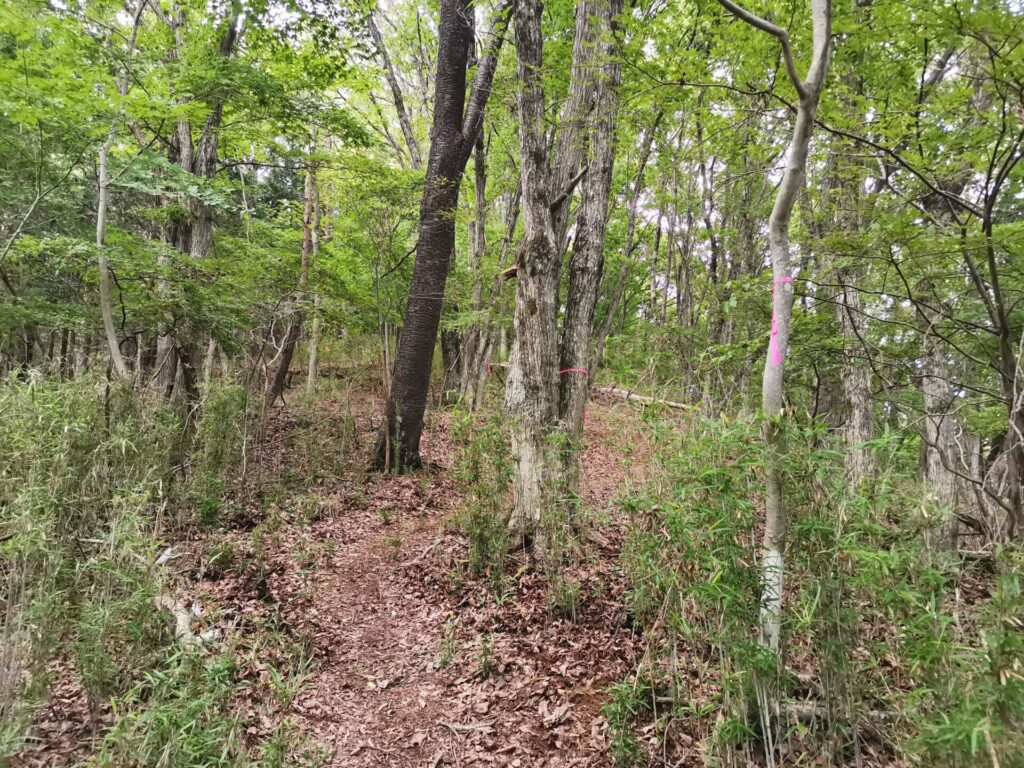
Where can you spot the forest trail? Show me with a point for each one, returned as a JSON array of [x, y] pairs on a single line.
[[412, 663]]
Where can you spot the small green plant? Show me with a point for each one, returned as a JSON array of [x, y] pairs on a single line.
[[628, 701], [486, 657], [393, 545], [564, 595], [868, 619], [178, 716], [219, 442], [484, 468], [449, 645], [287, 747], [221, 558]]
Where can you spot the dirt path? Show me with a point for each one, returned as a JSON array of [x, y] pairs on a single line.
[[416, 667], [355, 585]]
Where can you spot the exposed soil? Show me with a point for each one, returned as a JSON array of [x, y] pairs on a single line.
[[415, 666]]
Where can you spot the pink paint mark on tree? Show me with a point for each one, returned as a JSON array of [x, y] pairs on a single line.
[[774, 350]]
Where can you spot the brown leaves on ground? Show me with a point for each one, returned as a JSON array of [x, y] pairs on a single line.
[[417, 666], [411, 663]]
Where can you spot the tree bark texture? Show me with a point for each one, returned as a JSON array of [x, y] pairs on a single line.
[[548, 378], [860, 429], [772, 396], [452, 136]]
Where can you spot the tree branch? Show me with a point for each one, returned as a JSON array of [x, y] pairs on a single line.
[[485, 73], [776, 31]]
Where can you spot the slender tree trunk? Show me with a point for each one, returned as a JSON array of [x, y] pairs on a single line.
[[646, 144], [310, 247], [452, 352], [478, 359], [940, 455], [452, 138], [314, 348], [396, 93], [475, 336], [208, 364], [106, 309], [102, 204], [809, 92]]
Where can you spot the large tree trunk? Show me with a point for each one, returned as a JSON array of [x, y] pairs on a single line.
[[531, 391], [452, 138], [587, 263], [860, 429], [548, 382]]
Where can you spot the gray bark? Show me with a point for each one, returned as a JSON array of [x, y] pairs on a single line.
[[809, 92], [548, 381], [860, 429], [103, 200], [940, 451], [314, 348], [396, 93], [531, 391]]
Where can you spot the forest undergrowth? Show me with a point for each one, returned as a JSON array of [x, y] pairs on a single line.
[[277, 605], [267, 602]]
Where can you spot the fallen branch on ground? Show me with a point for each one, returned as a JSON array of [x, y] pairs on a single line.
[[625, 394], [183, 622]]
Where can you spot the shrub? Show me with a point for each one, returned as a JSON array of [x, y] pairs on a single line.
[[483, 466], [876, 642], [82, 471], [219, 443], [178, 716]]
